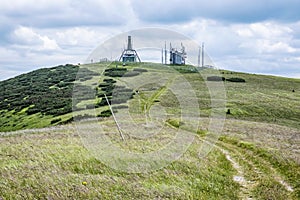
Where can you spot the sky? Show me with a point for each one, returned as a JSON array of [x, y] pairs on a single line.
[[258, 36]]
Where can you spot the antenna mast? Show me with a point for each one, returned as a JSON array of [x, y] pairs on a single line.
[[199, 55], [202, 54], [165, 52], [162, 56]]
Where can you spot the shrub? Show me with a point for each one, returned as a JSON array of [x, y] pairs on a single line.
[[175, 122], [55, 120], [105, 113], [115, 72], [103, 102], [67, 121], [102, 85], [236, 79], [33, 110], [215, 78], [140, 70], [109, 80]]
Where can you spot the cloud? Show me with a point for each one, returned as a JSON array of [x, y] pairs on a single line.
[[231, 10], [266, 37], [252, 36], [67, 13], [27, 37]]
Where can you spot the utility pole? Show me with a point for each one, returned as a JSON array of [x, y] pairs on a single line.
[[112, 112]]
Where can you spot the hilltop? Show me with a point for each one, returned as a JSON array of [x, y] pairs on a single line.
[[38, 98]]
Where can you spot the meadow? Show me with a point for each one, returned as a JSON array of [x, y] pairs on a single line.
[[45, 155]]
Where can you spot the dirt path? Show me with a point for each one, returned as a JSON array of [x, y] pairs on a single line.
[[246, 185], [251, 170]]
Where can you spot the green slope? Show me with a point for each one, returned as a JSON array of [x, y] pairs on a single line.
[[34, 99], [39, 97]]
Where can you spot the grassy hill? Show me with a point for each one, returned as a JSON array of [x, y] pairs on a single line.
[[35, 99], [256, 155]]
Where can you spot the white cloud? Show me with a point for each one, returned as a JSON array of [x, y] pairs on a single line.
[[68, 13], [82, 36], [274, 47], [263, 30], [266, 37], [19, 6], [230, 10], [27, 37]]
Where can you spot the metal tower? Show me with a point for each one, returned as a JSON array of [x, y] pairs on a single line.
[[129, 54]]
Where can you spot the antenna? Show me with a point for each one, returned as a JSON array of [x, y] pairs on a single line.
[[129, 45], [202, 54], [162, 56], [199, 56], [165, 52]]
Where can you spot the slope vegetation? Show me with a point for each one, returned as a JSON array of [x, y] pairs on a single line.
[[256, 156]]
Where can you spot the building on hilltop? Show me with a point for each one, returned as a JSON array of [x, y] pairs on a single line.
[[177, 57], [129, 54]]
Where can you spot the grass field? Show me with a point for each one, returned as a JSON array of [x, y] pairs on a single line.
[[255, 156]]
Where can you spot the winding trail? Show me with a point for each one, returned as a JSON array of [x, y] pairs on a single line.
[[246, 185], [249, 174]]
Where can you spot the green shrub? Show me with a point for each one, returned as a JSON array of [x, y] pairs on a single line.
[[236, 79], [55, 120], [215, 78], [71, 119], [109, 80], [32, 111], [115, 72], [175, 122], [105, 113], [140, 70], [103, 85]]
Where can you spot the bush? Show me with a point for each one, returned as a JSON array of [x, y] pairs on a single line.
[[32, 111], [106, 113], [215, 78], [115, 72], [102, 85], [103, 102], [236, 79], [109, 80], [71, 119], [55, 120], [175, 122], [140, 70]]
